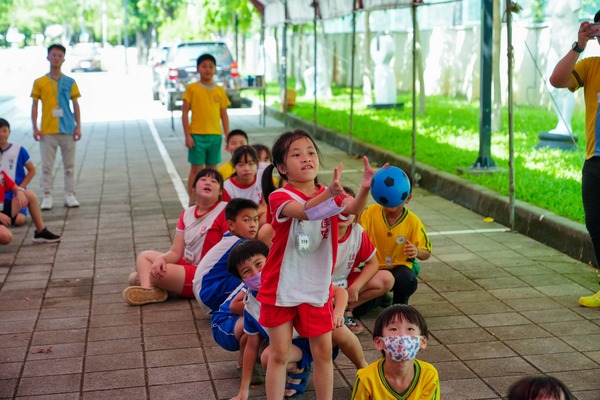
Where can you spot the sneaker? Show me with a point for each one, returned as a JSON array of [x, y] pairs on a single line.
[[352, 324], [46, 202], [71, 201], [138, 296], [45, 236], [592, 301], [134, 279]]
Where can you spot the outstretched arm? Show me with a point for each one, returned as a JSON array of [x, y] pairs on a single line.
[[356, 205]]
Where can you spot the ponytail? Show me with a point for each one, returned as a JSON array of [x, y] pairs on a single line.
[[267, 183]]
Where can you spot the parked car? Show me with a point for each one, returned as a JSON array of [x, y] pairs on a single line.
[[179, 70], [85, 57]]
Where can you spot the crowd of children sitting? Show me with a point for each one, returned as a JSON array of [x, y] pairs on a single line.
[[285, 272]]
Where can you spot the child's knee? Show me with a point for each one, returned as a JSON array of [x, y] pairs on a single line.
[[5, 235]]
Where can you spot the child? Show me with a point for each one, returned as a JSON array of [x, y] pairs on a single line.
[[296, 284], [264, 153], [235, 139], [17, 165], [246, 262], [208, 103], [15, 161], [212, 283], [400, 331], [199, 228], [246, 181], [354, 249], [540, 387], [400, 239]]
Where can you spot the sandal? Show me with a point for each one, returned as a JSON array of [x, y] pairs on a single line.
[[300, 388]]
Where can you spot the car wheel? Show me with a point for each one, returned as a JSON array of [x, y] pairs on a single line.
[[155, 95]]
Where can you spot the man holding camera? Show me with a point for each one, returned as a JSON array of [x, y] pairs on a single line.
[[572, 74]]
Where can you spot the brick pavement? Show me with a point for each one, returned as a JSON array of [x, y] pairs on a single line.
[[499, 305]]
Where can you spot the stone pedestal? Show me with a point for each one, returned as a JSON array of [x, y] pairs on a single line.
[[556, 141]]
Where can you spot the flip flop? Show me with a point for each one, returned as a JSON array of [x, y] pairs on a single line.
[[300, 388]]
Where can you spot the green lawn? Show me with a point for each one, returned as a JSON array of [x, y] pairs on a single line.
[[448, 138]]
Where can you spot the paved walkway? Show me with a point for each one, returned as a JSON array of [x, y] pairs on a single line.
[[499, 305]]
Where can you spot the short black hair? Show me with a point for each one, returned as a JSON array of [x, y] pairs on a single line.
[[597, 17], [244, 251], [213, 173], [4, 123], [349, 190], [259, 147], [400, 311], [236, 206], [237, 132], [205, 57], [532, 387], [57, 46], [244, 153]]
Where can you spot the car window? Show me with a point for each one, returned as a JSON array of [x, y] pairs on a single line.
[[189, 53], [84, 49]]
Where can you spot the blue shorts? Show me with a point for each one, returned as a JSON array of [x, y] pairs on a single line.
[[223, 332], [207, 150]]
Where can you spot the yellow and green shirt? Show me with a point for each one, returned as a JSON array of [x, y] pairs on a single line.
[[371, 383]]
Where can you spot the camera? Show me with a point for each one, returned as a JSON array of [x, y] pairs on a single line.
[[595, 29]]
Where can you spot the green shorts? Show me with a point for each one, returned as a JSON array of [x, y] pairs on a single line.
[[206, 151]]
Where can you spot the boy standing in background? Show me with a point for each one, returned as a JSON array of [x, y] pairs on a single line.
[[208, 103]]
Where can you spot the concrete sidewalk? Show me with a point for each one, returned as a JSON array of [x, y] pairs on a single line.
[[499, 305]]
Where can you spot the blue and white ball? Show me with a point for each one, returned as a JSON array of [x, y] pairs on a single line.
[[390, 187]]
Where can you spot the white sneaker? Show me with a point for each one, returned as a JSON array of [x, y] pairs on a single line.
[[46, 202], [71, 201]]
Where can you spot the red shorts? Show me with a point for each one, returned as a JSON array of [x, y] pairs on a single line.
[[190, 271], [309, 321]]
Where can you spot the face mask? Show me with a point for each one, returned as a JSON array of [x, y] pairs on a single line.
[[253, 282], [402, 347]]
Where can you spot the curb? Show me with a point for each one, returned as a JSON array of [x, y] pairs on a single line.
[[560, 233]]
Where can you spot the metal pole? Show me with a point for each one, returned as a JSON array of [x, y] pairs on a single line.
[[484, 161], [351, 128], [315, 74], [283, 62], [264, 89], [413, 162], [511, 141], [125, 33]]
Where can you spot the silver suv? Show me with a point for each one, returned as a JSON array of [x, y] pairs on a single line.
[[179, 70]]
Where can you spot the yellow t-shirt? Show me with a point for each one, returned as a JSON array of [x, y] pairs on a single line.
[[389, 239], [586, 74], [226, 170], [56, 95], [371, 383], [206, 104]]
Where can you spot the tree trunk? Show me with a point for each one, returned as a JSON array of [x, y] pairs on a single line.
[[497, 87]]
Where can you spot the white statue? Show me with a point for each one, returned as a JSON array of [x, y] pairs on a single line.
[[383, 49], [564, 26], [323, 81]]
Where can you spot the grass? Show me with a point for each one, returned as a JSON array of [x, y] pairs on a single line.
[[448, 138]]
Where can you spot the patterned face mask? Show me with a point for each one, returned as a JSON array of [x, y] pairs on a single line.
[[253, 282], [402, 347]]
